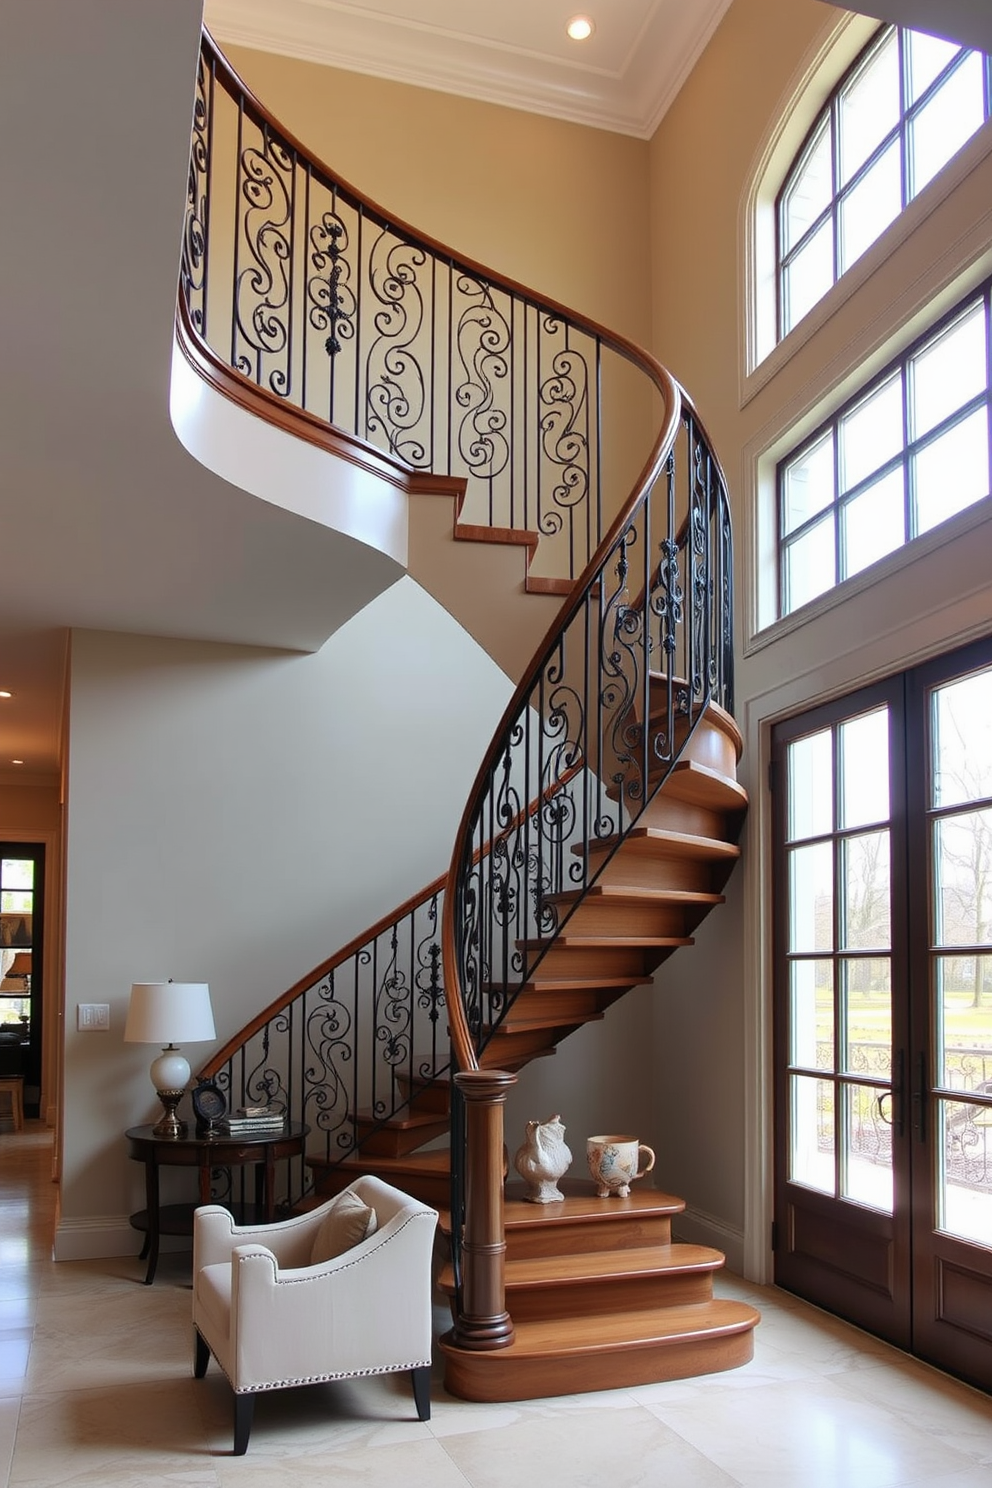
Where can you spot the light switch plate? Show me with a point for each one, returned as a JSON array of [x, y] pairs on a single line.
[[93, 1016]]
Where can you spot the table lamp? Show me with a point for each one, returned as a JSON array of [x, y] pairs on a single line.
[[169, 1013]]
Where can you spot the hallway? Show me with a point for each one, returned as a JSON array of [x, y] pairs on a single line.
[[96, 1388]]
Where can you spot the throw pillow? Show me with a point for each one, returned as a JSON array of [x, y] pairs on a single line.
[[347, 1222]]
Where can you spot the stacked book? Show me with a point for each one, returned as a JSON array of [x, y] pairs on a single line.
[[254, 1121]]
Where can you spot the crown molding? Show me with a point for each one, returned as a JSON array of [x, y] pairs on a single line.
[[647, 65]]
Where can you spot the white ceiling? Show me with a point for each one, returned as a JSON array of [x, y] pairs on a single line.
[[513, 52]]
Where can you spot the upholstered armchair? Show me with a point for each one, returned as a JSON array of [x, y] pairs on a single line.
[[342, 1290]]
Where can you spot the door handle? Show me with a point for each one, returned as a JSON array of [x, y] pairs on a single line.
[[898, 1090], [920, 1098]]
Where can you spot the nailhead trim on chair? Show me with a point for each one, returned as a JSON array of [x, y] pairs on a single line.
[[316, 1379]]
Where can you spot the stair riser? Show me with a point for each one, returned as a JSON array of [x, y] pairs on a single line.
[[682, 816], [640, 868], [621, 1295], [507, 1050], [582, 961], [556, 1006], [428, 1188], [497, 1376], [599, 917], [435, 1097], [611, 1233], [398, 1142]]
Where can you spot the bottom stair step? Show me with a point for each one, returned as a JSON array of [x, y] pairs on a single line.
[[605, 1281], [604, 1351]]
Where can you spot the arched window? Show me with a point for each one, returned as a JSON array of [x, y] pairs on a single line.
[[901, 111]]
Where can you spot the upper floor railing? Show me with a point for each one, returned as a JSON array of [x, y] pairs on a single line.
[[310, 291]]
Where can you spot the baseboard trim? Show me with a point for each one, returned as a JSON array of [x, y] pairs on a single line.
[[696, 1227], [103, 1237]]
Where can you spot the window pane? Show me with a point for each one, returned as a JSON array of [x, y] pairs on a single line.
[[961, 767], [952, 472], [964, 1023], [964, 1180], [810, 565], [808, 485], [943, 125], [867, 985], [811, 898], [872, 433], [809, 276], [17, 873], [810, 192], [867, 1165], [869, 108], [874, 523], [927, 55], [867, 211], [811, 1158], [865, 866], [811, 793], [963, 879], [948, 373], [813, 1014], [864, 769]]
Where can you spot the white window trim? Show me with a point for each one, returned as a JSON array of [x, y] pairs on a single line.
[[762, 358]]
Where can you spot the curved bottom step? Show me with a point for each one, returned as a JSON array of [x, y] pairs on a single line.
[[604, 1352]]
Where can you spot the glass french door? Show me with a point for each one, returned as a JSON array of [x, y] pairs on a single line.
[[883, 1009], [22, 883]]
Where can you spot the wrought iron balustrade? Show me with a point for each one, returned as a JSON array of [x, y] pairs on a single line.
[[304, 287], [319, 300]]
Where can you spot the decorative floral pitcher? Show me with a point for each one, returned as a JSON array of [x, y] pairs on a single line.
[[543, 1159]]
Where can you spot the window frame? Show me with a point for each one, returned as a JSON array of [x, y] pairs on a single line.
[[828, 117], [898, 366]]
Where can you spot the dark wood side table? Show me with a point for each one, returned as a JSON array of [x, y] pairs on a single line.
[[205, 1154]]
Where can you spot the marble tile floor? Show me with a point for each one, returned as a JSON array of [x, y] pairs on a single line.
[[96, 1389]]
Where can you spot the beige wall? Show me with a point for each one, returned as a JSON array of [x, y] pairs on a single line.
[[558, 207], [712, 1033], [234, 816]]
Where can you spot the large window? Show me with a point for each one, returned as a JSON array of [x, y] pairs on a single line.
[[904, 108], [907, 452]]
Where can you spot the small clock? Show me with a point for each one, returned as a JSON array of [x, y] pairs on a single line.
[[209, 1107]]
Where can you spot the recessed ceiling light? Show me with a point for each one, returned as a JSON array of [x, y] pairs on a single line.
[[17, 762], [5, 693], [580, 28]]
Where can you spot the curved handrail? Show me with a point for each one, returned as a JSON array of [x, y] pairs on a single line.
[[465, 1054]]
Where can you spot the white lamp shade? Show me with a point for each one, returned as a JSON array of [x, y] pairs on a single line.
[[169, 1013]]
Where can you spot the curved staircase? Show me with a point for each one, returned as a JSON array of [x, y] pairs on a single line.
[[604, 819]]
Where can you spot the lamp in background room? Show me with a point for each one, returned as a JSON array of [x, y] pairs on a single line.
[[20, 968], [169, 1013]]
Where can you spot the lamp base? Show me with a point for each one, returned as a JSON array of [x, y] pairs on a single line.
[[170, 1125]]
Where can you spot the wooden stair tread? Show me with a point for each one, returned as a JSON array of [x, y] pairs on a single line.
[[584, 1266], [581, 1204], [623, 1332], [703, 786], [559, 983], [405, 1120], [438, 1161], [685, 844], [604, 942], [632, 894]]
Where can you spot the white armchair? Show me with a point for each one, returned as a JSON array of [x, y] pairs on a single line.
[[272, 1318]]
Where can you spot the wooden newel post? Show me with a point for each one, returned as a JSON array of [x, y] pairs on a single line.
[[483, 1321]]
